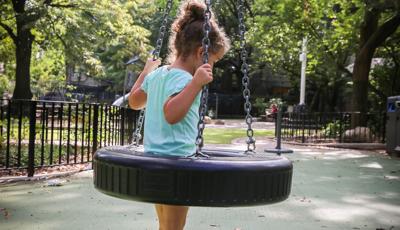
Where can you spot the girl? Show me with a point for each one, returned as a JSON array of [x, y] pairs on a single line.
[[171, 94]]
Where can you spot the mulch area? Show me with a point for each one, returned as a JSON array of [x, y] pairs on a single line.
[[44, 171]]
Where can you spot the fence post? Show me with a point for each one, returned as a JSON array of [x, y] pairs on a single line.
[[95, 127], [131, 123], [385, 119], [122, 131], [302, 117], [341, 120], [276, 124], [278, 150], [32, 133], [278, 128], [8, 134]]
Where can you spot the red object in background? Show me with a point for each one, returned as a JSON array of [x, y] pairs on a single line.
[[274, 108]]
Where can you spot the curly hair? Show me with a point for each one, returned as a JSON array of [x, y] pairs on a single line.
[[187, 32]]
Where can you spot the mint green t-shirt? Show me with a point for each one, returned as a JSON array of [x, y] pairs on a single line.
[[160, 137]]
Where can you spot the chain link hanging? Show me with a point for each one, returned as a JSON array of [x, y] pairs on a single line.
[[162, 30], [156, 54], [204, 93], [251, 142]]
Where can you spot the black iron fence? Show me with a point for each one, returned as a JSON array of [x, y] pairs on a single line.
[[334, 127], [45, 133], [35, 134]]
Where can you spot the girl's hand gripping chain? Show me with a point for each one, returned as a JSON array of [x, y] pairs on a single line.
[[203, 75], [151, 65], [137, 97]]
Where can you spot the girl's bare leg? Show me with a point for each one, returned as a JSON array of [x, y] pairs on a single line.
[[159, 210], [171, 217]]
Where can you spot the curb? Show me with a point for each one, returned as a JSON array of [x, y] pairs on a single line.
[[356, 146], [39, 177]]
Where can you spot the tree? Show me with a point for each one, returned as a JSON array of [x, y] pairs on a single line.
[[385, 76], [18, 21], [380, 20], [85, 29], [276, 34], [100, 51], [6, 63], [47, 71], [337, 30]]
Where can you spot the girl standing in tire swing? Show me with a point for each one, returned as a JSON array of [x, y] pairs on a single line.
[[171, 94]]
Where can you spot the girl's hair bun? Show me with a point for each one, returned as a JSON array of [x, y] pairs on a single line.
[[187, 32], [195, 11], [190, 12]]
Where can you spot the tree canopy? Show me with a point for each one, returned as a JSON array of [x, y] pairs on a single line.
[[42, 40], [334, 30], [94, 36]]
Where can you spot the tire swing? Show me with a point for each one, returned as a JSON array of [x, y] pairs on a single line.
[[210, 177]]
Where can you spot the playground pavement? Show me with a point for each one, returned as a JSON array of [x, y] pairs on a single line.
[[332, 189]]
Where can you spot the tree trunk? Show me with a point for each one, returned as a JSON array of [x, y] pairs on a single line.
[[362, 66], [361, 70], [23, 54], [371, 37]]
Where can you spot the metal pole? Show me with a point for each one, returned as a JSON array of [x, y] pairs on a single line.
[[216, 105], [278, 129], [278, 150], [124, 87], [32, 134], [95, 127], [303, 59]]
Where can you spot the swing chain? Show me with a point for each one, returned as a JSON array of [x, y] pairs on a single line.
[[204, 93], [251, 142], [137, 136], [156, 54], [162, 30], [206, 29]]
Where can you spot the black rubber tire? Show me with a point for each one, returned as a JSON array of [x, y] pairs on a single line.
[[226, 178]]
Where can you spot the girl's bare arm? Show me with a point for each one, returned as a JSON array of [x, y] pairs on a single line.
[[137, 97], [176, 107]]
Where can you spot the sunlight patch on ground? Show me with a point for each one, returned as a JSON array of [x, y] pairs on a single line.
[[358, 199], [342, 213], [343, 154], [326, 178], [390, 195], [370, 202], [64, 196], [357, 206], [302, 150], [385, 207], [391, 177], [374, 165], [310, 153], [277, 214]]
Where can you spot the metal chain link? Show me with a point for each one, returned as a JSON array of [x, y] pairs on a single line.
[[251, 142], [156, 54], [162, 30], [137, 136], [204, 93]]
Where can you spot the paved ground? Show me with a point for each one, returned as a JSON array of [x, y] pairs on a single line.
[[332, 189]]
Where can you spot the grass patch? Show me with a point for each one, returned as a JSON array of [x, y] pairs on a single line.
[[226, 135]]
